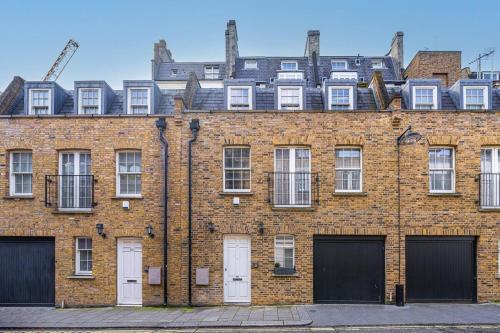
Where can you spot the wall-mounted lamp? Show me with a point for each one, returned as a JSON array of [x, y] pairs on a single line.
[[149, 231], [100, 230], [211, 227], [261, 228]]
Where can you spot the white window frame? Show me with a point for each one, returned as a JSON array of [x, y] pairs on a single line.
[[78, 271], [340, 169], [174, 72], [296, 63], [485, 96], [495, 169], [129, 99], [210, 72], [118, 173], [30, 103], [251, 64], [494, 76], [280, 246], [453, 169], [76, 172], [12, 174], [250, 98], [290, 75], [434, 96], [351, 96], [224, 170], [378, 64], [292, 170], [301, 92], [338, 61], [336, 75], [80, 100]]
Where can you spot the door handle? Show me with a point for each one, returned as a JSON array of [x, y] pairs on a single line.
[[237, 279], [131, 280]]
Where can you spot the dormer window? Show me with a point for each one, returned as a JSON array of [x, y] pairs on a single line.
[[173, 73], [251, 64], [139, 101], [339, 65], [39, 101], [475, 98], [239, 98], [211, 72], [290, 98], [89, 100], [425, 98], [344, 75], [377, 64], [289, 65], [341, 98], [290, 76], [490, 76]]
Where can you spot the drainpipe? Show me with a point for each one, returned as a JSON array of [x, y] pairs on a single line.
[[161, 124], [194, 125]]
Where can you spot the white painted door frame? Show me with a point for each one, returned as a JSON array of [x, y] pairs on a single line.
[[237, 269], [129, 271]]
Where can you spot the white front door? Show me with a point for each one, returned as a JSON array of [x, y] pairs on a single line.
[[237, 269], [129, 278]]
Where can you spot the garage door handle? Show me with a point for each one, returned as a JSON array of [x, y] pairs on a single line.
[[131, 280], [237, 279]]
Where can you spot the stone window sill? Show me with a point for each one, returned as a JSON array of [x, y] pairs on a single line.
[[73, 212], [489, 210], [19, 197], [285, 273], [453, 194], [350, 194], [128, 198], [294, 209], [222, 193], [81, 277]]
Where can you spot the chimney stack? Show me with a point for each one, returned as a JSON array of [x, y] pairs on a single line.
[[231, 49], [312, 45], [396, 51], [161, 52]]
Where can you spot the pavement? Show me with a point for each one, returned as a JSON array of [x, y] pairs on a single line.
[[298, 318]]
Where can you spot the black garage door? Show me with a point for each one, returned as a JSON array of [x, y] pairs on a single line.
[[349, 269], [27, 271], [441, 269]]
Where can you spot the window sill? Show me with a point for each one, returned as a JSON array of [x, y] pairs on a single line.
[[127, 198], [451, 194], [17, 197], [298, 209], [88, 212], [350, 194], [81, 277], [235, 193], [285, 273], [487, 210]]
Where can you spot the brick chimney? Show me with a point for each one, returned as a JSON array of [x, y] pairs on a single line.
[[160, 54], [312, 45], [231, 49], [12, 94], [396, 51]]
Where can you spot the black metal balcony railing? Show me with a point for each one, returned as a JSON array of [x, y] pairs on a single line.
[[69, 192], [293, 189], [489, 190]]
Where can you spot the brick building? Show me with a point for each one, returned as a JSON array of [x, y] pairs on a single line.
[[288, 180]]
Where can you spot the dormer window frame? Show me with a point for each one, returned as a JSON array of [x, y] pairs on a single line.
[[421, 106], [291, 75], [485, 104], [377, 64], [295, 62], [80, 100], [129, 100], [285, 106], [210, 73], [254, 65], [350, 105], [31, 106], [344, 75], [233, 106], [345, 67]]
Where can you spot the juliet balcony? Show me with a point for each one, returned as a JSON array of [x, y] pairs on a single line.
[[293, 189], [70, 193], [489, 190]]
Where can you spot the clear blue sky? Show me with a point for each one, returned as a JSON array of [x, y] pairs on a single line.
[[117, 37]]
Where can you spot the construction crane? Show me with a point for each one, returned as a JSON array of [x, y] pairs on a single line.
[[479, 59], [62, 60]]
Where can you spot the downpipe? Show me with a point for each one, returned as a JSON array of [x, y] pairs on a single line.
[[194, 125]]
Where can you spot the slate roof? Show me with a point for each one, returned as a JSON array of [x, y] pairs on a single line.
[[166, 105], [164, 72]]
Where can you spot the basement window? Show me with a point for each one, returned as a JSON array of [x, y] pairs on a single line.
[[39, 101], [290, 98], [425, 98], [211, 72], [89, 101], [341, 98], [239, 98], [139, 101]]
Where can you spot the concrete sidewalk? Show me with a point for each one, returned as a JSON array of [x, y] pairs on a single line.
[[131, 317]]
